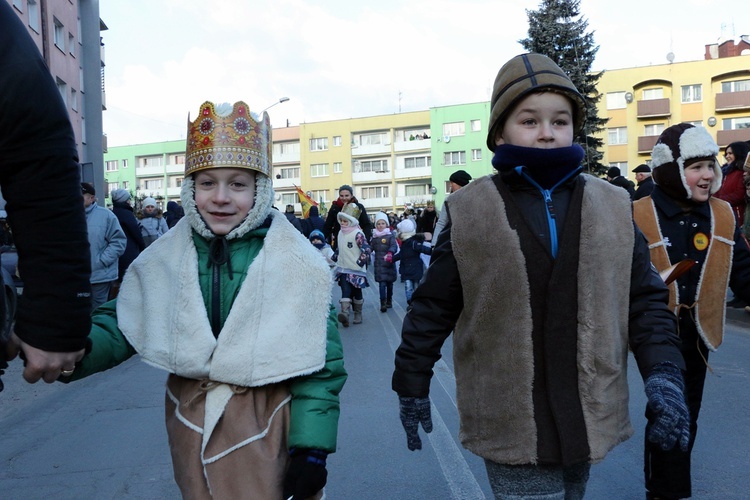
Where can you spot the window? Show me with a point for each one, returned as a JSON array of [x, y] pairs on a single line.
[[413, 135], [126, 184], [416, 189], [289, 173], [110, 166], [374, 192], [692, 93], [622, 165], [33, 15], [373, 139], [649, 94], [18, 4], [71, 44], [289, 198], [111, 186], [152, 184], [736, 123], [152, 161], [286, 148], [337, 167], [124, 163], [177, 181], [320, 195], [617, 135], [59, 35], [447, 187], [319, 169], [63, 88], [417, 162], [177, 159], [454, 158], [735, 86], [656, 129], [476, 125], [453, 129], [337, 140], [74, 99], [476, 154], [371, 166], [616, 100], [319, 144]]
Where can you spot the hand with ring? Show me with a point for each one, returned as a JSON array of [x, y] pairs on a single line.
[[44, 365]]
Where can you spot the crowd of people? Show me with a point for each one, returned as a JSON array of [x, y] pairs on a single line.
[[546, 278]]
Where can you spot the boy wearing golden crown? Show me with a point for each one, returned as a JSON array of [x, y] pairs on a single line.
[[252, 400]]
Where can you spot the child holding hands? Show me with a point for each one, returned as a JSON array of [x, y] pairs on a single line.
[[383, 243]]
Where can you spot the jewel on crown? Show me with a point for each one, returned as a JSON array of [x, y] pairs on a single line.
[[228, 137]]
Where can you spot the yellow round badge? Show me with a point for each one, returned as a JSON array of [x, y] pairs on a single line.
[[700, 241], [382, 241]]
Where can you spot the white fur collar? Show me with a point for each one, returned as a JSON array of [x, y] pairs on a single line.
[[276, 329]]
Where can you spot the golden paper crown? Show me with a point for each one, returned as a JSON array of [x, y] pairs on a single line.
[[237, 140]]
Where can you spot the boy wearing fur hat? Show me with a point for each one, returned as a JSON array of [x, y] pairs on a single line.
[[682, 220], [252, 400], [412, 248], [151, 220], [383, 244], [351, 257], [541, 337]]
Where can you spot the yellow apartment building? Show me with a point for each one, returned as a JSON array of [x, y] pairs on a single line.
[[641, 102]]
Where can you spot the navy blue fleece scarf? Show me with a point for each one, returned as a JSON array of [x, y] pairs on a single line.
[[546, 166]]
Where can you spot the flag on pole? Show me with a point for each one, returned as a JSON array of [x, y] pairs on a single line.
[[306, 202]]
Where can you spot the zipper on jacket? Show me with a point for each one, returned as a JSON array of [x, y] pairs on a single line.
[[216, 300], [549, 207]]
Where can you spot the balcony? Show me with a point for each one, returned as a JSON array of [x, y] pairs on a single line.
[[651, 108], [370, 203], [286, 157], [384, 176], [646, 143], [371, 149], [286, 183], [733, 101], [411, 173], [415, 145], [726, 137]]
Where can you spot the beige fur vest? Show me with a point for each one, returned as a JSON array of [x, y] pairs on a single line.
[[493, 349]]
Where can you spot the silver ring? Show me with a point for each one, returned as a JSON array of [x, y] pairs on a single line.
[[67, 373]]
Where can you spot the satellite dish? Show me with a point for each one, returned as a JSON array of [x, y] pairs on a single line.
[[447, 138], [670, 57]]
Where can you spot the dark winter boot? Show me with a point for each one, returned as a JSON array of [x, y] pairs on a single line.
[[389, 302], [383, 306], [344, 314], [357, 307]]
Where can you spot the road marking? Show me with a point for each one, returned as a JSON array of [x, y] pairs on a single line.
[[456, 471]]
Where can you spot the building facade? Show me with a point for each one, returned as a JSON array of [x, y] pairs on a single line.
[[641, 102], [68, 35]]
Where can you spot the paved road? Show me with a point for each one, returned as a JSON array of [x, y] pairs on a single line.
[[104, 437]]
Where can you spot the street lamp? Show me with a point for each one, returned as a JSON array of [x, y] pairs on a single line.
[[283, 99]]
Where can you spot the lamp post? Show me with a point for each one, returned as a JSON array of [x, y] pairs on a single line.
[[282, 99]]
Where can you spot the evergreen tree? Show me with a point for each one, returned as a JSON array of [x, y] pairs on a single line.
[[558, 31]]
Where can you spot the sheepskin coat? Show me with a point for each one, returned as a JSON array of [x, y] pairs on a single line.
[[540, 344]]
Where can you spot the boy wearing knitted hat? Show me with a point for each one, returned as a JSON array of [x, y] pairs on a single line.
[[546, 282], [681, 220], [252, 393]]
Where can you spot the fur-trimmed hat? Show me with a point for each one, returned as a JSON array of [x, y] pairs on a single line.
[[350, 212], [677, 147], [524, 75]]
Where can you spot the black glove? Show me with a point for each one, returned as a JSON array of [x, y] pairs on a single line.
[[414, 411], [665, 390], [307, 473]]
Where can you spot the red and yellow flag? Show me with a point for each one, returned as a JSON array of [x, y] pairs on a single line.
[[306, 202]]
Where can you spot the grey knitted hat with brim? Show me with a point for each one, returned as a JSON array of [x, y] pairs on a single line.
[[526, 74]]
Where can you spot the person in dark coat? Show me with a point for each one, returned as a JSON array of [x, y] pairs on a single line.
[[615, 178], [293, 220], [124, 212], [412, 265], [384, 246], [428, 219], [314, 221], [645, 182], [41, 183], [733, 186], [332, 227], [173, 214]]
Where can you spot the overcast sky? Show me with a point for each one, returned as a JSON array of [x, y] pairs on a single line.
[[340, 59]]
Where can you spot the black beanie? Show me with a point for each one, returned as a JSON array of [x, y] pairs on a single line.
[[460, 177], [613, 172]]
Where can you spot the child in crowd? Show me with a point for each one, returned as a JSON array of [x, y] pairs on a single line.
[[152, 221], [545, 282], [205, 304], [682, 220], [351, 257], [318, 240], [411, 265], [383, 243]]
